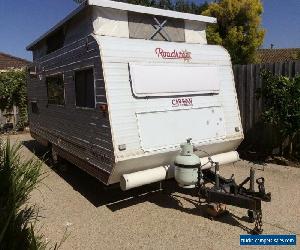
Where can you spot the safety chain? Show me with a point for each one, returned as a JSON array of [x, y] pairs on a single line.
[[258, 222]]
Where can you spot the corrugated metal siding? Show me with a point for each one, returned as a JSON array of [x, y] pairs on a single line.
[[78, 27], [82, 132], [116, 53]]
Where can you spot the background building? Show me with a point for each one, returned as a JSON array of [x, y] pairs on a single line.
[[278, 55]]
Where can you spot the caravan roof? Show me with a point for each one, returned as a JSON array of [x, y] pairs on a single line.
[[125, 7], [150, 10]]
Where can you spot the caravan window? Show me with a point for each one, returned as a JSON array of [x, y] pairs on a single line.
[[84, 88], [55, 89], [55, 41], [145, 26]]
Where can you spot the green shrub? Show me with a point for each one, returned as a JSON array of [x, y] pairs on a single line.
[[18, 177], [13, 92], [281, 96]]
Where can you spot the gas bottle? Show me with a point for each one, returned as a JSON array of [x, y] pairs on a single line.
[[186, 166]]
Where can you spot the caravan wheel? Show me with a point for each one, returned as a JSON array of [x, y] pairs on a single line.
[[57, 161], [54, 156]]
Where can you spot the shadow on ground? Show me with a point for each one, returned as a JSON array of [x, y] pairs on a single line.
[[168, 195]]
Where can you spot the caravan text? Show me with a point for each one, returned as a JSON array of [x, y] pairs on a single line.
[[182, 102], [184, 54]]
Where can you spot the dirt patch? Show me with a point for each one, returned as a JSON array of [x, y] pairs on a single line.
[[97, 217], [260, 158]]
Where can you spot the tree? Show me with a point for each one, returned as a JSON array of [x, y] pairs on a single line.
[[164, 4], [281, 97], [79, 1], [238, 28], [149, 3], [296, 55], [198, 9], [13, 93], [178, 5]]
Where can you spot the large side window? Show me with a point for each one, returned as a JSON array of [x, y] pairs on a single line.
[[55, 41], [55, 89], [84, 88]]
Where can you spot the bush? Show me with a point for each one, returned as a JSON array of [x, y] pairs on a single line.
[[13, 93], [18, 177], [281, 97]]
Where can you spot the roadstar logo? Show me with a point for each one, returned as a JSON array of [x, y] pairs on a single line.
[[183, 54]]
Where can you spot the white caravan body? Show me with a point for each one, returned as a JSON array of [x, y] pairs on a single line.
[[161, 93]]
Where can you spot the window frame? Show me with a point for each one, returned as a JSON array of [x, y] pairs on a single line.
[[32, 72], [64, 90], [94, 86]]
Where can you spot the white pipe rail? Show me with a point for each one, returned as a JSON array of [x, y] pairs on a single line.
[[140, 178]]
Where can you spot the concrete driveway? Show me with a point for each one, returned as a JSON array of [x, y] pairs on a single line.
[[99, 218]]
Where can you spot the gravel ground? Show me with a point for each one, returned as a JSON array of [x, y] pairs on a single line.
[[99, 218]]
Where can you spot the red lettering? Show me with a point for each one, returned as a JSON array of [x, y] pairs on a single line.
[[184, 54], [190, 101], [182, 102], [159, 52]]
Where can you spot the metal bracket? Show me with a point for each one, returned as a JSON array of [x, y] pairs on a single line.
[[227, 191], [238, 200]]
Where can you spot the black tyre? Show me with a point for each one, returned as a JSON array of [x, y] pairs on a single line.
[[53, 156]]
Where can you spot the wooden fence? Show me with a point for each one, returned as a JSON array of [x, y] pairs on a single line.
[[258, 136]]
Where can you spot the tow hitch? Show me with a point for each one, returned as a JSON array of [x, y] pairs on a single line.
[[221, 190], [227, 191]]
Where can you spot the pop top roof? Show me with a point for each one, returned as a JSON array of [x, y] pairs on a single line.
[[150, 10], [126, 7]]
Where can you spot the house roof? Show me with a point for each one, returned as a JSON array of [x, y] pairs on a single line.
[[125, 7], [8, 61], [277, 55]]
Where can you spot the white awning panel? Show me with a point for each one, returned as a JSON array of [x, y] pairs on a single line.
[[110, 22], [173, 79]]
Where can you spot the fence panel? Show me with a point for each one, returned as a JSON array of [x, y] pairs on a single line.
[[258, 136]]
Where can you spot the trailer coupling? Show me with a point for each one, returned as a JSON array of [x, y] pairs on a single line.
[[192, 173], [227, 191]]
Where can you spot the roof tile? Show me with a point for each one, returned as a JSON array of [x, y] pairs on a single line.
[[277, 55], [9, 62]]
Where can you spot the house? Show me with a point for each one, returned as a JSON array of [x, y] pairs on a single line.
[[11, 62], [278, 55]]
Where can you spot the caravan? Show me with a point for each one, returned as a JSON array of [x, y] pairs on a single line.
[[116, 88]]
